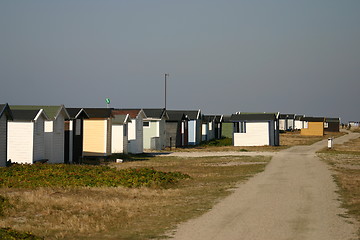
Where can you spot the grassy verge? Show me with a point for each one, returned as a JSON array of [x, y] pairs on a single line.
[[355, 129], [345, 162], [11, 234], [62, 175], [287, 140], [63, 212]]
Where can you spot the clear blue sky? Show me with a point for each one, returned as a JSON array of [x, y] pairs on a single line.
[[222, 56]]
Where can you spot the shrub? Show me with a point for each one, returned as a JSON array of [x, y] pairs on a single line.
[[217, 143], [10, 234], [62, 175]]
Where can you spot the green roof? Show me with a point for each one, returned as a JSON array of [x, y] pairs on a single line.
[[51, 111]]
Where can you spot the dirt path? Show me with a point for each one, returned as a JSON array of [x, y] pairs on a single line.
[[294, 198]]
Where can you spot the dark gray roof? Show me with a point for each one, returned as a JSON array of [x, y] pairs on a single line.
[[24, 115], [299, 117], [333, 120], [226, 118], [75, 113], [208, 118], [155, 112], [286, 116], [313, 119], [5, 109], [191, 114], [121, 119], [253, 117], [51, 111], [176, 115], [98, 112], [217, 118]]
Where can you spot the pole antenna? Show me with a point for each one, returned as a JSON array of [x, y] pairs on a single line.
[[166, 75]]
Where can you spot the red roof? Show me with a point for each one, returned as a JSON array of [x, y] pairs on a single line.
[[132, 112]]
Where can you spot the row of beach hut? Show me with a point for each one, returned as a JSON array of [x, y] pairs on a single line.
[[56, 134]]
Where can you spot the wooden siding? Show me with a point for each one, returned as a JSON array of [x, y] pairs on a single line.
[[20, 142], [171, 133], [135, 136], [118, 139], [192, 132], [198, 131], [313, 129], [68, 148], [204, 132], [58, 140], [195, 132], [211, 133], [178, 132], [333, 127], [39, 140], [150, 132], [291, 124], [299, 124], [108, 136], [154, 136], [48, 139], [283, 124], [218, 129], [162, 133], [257, 134], [3, 140], [78, 138], [73, 141], [95, 137]]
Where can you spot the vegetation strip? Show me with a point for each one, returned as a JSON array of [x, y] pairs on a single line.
[[62, 175], [345, 162], [10, 234], [128, 213]]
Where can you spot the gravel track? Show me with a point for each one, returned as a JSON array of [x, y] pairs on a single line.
[[294, 199]]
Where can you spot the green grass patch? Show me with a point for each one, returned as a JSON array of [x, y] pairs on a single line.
[[62, 175], [217, 143]]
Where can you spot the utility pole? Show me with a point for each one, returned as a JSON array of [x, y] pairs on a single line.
[[166, 75]]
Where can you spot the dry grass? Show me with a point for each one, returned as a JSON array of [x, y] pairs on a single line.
[[231, 149], [290, 139], [345, 162], [355, 129], [122, 213], [287, 140]]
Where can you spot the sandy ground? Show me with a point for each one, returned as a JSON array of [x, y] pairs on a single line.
[[294, 198], [210, 154]]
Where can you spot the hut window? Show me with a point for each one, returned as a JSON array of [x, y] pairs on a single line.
[[146, 124]]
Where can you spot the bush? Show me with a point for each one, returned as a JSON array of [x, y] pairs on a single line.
[[217, 143], [10, 234], [62, 175]]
